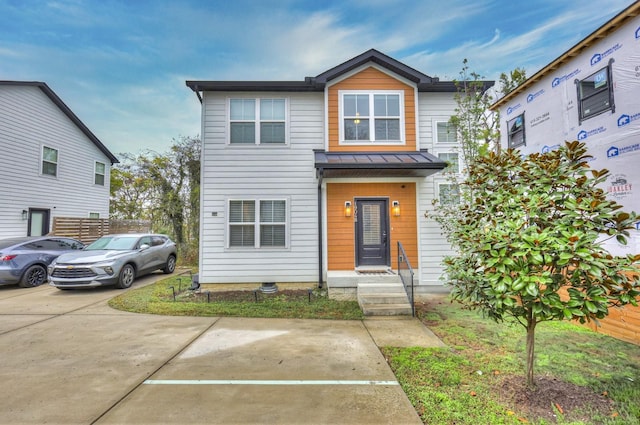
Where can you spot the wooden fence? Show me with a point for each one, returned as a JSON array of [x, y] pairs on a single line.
[[88, 230]]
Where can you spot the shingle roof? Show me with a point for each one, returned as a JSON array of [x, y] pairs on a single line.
[[65, 109]]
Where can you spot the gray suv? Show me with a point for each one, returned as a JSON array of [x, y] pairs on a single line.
[[114, 260]]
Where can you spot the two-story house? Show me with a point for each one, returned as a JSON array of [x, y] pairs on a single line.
[[590, 93], [51, 164], [318, 180]]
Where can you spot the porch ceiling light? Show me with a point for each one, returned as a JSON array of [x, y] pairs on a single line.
[[395, 208], [347, 209]]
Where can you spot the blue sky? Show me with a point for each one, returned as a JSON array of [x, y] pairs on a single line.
[[121, 66]]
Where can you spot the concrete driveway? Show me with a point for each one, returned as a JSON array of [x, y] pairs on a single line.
[[68, 358]]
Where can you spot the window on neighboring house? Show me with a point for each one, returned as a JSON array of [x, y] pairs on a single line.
[[451, 158], [372, 117], [448, 194], [257, 223], [94, 215], [516, 131], [99, 172], [257, 121], [49, 161], [446, 132], [595, 93]]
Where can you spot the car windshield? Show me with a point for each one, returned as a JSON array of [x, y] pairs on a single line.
[[121, 243]]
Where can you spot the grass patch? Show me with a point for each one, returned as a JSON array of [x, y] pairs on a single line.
[[158, 299], [472, 381]]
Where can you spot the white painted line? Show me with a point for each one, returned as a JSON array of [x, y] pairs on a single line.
[[261, 382]]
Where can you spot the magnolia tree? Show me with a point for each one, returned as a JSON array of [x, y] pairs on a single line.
[[529, 241]]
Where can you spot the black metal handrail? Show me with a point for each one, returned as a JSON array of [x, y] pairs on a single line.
[[406, 275]]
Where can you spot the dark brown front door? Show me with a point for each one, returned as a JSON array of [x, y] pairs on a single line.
[[372, 232]]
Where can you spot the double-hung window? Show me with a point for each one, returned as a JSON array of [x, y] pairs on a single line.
[[49, 161], [99, 173], [258, 223], [451, 158], [595, 93], [515, 128], [372, 117], [446, 132], [257, 121], [448, 193]]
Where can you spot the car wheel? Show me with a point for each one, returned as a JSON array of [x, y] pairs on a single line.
[[170, 266], [34, 276], [127, 275]]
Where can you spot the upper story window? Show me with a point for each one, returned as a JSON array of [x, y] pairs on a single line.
[[257, 121], [451, 158], [49, 161], [258, 223], [99, 173], [372, 117], [595, 93], [446, 132], [516, 131]]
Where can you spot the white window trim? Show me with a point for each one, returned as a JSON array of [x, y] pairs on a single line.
[[257, 223], [93, 212], [403, 139], [435, 132], [439, 184], [458, 171], [257, 121], [42, 162], [95, 173]]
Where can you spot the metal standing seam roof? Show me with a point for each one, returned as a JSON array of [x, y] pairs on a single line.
[[372, 164]]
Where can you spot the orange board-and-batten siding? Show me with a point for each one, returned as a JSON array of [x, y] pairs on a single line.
[[341, 232], [371, 79]]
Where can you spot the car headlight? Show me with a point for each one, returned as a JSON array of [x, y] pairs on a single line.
[[108, 269]]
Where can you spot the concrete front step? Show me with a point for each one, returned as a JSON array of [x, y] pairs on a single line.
[[403, 309], [383, 299]]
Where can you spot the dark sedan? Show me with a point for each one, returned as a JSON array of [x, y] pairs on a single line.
[[25, 260]]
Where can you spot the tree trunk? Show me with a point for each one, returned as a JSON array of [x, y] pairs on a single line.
[[531, 328]]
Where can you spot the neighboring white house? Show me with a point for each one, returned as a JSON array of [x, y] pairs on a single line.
[[305, 180], [51, 164], [590, 93]]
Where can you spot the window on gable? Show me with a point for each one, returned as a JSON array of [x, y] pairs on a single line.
[[99, 173], [451, 158], [49, 161], [446, 132], [257, 223], [595, 93], [372, 117], [257, 121], [515, 129]]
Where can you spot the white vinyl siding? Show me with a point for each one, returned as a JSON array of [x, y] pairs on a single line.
[[252, 173], [29, 120], [434, 108]]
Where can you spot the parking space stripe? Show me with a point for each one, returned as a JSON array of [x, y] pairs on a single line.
[[262, 382]]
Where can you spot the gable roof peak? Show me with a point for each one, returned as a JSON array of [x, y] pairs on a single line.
[[379, 58]]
